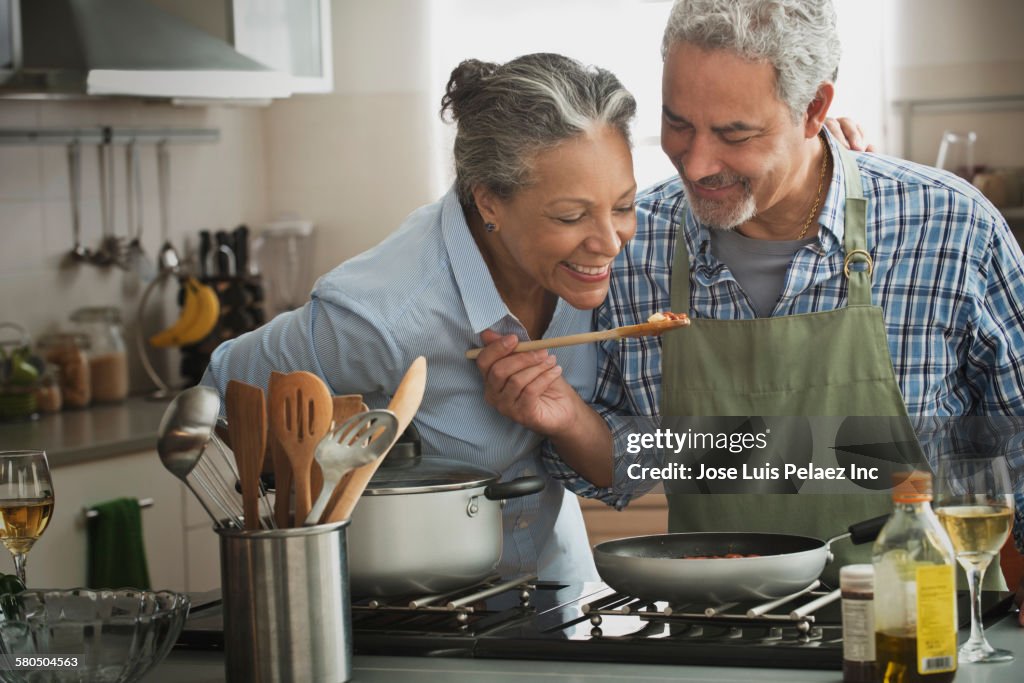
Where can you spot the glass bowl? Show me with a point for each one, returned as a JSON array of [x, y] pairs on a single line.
[[99, 636]]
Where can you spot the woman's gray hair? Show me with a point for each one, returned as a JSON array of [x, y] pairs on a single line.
[[797, 37], [507, 113]]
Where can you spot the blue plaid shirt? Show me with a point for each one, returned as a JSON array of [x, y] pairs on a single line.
[[949, 277]]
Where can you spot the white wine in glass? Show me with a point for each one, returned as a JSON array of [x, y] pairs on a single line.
[[974, 503], [26, 502]]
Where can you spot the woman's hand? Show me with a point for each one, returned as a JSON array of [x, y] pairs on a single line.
[[849, 134], [526, 387], [529, 389]]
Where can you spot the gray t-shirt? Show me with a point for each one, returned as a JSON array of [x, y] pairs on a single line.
[[759, 266]]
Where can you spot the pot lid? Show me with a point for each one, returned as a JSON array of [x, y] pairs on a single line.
[[404, 470]]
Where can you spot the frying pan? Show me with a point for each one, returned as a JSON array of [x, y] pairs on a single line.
[[652, 567]]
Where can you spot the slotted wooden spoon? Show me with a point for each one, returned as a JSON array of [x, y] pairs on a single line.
[[247, 427], [300, 416], [404, 404]]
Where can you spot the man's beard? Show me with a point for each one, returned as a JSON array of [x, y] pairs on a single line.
[[721, 215]]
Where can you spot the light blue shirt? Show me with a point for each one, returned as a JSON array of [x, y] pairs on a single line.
[[425, 290]]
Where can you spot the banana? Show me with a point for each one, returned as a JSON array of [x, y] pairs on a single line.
[[199, 314], [209, 315]]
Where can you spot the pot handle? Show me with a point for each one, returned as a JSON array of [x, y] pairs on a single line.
[[523, 486]]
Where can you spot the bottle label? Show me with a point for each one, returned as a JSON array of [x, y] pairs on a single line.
[[936, 618], [858, 630]]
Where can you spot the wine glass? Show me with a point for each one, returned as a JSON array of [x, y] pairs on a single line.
[[974, 502], [26, 502]]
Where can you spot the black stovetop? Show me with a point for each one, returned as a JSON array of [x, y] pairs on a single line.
[[591, 622]]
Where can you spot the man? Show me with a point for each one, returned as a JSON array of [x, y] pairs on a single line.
[[806, 298]]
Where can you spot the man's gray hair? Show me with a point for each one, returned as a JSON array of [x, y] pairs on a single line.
[[507, 113], [797, 37]]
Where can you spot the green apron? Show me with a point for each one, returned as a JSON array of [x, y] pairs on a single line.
[[831, 363]]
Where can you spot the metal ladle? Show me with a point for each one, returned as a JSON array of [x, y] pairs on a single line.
[[187, 427], [167, 260], [78, 251]]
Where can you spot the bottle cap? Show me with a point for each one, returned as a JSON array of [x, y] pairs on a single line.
[[858, 578], [912, 487]]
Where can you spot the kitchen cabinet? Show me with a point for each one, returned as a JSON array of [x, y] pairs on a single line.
[[644, 515], [290, 36], [58, 559]]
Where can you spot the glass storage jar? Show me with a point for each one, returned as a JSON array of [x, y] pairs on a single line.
[[108, 360], [68, 352]]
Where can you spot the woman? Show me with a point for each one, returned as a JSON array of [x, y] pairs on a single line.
[[542, 203]]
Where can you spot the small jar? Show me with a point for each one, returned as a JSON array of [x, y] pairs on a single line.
[[68, 352], [857, 586], [108, 359], [49, 397]]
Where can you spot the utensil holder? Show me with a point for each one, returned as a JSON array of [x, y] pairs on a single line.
[[286, 604]]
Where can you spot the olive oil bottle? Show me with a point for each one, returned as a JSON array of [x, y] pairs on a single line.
[[915, 590]]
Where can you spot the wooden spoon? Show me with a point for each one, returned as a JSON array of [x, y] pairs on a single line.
[[404, 405], [279, 461], [247, 427], [300, 416]]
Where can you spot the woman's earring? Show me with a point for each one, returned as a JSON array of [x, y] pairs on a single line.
[[491, 227]]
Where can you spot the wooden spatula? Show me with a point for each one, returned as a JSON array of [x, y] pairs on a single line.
[[404, 405], [247, 427], [300, 415], [279, 461]]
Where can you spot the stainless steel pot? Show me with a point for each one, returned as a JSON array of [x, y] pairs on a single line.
[[428, 525]]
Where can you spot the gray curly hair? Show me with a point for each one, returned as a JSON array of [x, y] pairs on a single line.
[[797, 37], [507, 113]]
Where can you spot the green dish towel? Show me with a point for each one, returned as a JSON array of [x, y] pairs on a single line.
[[117, 556]]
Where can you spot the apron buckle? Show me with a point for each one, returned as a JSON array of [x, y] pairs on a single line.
[[850, 259]]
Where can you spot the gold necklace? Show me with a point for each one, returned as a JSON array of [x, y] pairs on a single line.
[[821, 184]]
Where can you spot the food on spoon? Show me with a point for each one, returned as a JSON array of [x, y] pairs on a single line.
[[667, 315], [664, 317]]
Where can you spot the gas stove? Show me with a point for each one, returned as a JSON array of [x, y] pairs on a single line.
[[524, 618]]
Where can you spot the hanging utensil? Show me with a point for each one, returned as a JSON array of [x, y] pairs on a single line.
[[113, 250], [168, 258], [247, 428], [300, 416], [356, 442], [138, 262], [102, 256], [78, 251], [404, 404]]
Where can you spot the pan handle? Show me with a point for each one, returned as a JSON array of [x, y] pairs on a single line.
[[861, 532], [867, 531], [523, 486]]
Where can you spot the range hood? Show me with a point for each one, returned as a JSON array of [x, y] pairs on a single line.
[[127, 48]]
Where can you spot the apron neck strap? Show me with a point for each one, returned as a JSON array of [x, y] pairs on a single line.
[[857, 264]]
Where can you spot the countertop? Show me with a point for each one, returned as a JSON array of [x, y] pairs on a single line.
[[208, 667], [77, 436]]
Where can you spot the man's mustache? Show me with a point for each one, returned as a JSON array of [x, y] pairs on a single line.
[[713, 182]]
